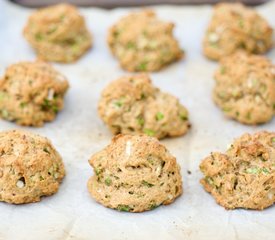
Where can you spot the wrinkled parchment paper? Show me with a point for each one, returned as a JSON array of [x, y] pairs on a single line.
[[78, 132]]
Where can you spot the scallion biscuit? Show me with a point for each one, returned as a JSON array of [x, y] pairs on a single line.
[[143, 43], [132, 105], [243, 176], [245, 88], [134, 174], [30, 167], [31, 93], [236, 27], [58, 33]]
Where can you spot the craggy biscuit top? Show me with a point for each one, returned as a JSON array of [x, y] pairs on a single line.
[[31, 93], [245, 88], [135, 174], [30, 167], [142, 42], [132, 105], [234, 26], [243, 176], [58, 33]]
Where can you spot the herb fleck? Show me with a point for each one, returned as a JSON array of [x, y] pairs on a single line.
[[118, 103], [183, 116], [142, 66], [153, 206], [46, 150], [108, 181], [124, 208], [147, 184], [149, 132], [159, 116], [140, 121]]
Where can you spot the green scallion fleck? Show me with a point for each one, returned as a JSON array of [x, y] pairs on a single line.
[[183, 116], [153, 206], [265, 171], [46, 150], [140, 121], [149, 132], [143, 96], [49, 105], [97, 171], [23, 104], [108, 181], [123, 208], [118, 103], [159, 116], [253, 170], [38, 37], [131, 45], [209, 180], [147, 184], [142, 66]]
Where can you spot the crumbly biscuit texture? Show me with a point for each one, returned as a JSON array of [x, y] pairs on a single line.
[[30, 167], [58, 33], [143, 43], [243, 176], [234, 27], [245, 88], [134, 174], [31, 93], [133, 105]]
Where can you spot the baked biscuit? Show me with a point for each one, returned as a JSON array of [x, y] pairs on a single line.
[[245, 88], [31, 93], [234, 27], [134, 174], [30, 167], [143, 43], [243, 176], [133, 105], [58, 33]]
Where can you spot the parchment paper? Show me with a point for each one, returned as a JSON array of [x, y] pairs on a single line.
[[78, 132]]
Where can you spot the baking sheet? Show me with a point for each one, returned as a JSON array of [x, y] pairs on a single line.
[[78, 132], [127, 3]]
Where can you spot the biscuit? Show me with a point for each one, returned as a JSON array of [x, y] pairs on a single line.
[[31, 93], [233, 27], [243, 176], [58, 33], [133, 105], [245, 88], [30, 167], [134, 174], [143, 43]]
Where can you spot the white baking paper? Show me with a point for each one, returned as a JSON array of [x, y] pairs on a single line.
[[78, 132]]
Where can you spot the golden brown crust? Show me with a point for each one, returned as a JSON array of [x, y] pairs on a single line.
[[31, 93], [143, 43], [133, 105], [134, 174], [243, 177], [58, 33], [30, 167], [245, 88], [234, 27]]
